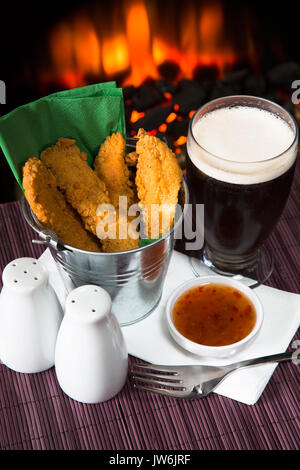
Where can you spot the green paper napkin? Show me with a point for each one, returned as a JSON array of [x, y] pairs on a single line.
[[148, 241], [88, 115]]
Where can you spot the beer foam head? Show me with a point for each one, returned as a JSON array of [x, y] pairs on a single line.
[[242, 145]]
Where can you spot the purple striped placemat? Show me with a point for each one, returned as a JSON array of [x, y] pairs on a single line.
[[36, 414]]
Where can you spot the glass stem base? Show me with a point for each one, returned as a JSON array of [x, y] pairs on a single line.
[[254, 274], [230, 264]]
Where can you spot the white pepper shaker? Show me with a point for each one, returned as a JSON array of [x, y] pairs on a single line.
[[30, 317], [91, 359]]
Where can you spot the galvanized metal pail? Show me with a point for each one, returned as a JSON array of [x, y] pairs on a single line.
[[134, 279]]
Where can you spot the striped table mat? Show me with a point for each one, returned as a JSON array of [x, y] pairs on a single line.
[[36, 414]]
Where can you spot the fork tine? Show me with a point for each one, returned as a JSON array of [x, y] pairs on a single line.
[[131, 141], [170, 378], [154, 381], [156, 369], [161, 391], [154, 373], [130, 137]]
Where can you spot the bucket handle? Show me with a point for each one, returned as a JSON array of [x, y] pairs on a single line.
[[48, 237]]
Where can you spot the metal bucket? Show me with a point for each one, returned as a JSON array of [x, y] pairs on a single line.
[[134, 278]]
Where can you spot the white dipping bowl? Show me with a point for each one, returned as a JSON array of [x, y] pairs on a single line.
[[213, 351]]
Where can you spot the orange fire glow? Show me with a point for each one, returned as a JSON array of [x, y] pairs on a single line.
[[189, 41], [162, 51], [211, 38], [139, 44], [85, 39], [135, 116], [115, 55], [210, 27], [163, 127], [69, 44], [171, 118], [134, 46], [181, 140]]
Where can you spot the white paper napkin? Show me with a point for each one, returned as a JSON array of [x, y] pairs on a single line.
[[150, 340]]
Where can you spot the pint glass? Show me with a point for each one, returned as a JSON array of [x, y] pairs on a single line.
[[240, 164]]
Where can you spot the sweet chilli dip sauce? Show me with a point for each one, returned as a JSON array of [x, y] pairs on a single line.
[[214, 315]]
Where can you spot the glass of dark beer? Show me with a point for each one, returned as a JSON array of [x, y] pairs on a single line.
[[240, 164]]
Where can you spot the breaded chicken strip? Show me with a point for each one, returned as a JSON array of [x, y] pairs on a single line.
[[81, 187], [51, 209], [80, 184], [110, 167], [158, 180]]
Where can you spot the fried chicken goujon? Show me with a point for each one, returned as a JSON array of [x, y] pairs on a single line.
[[51, 209], [111, 168], [80, 184], [158, 179]]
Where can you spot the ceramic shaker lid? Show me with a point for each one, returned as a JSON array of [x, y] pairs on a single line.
[[88, 303]]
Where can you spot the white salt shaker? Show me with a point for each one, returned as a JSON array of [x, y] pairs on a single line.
[[30, 317], [91, 357]]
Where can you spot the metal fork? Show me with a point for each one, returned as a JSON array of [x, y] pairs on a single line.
[[131, 143], [192, 381]]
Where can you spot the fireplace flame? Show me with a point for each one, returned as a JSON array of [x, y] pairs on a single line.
[[86, 48], [135, 49], [75, 52], [210, 26], [212, 39], [115, 55], [139, 44]]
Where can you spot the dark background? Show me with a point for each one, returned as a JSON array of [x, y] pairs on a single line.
[[24, 33]]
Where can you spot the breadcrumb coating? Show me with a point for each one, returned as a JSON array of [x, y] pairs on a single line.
[[158, 180], [76, 179], [51, 209], [111, 168]]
